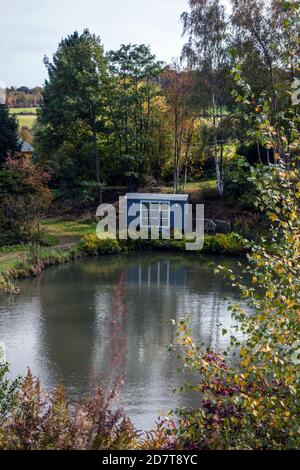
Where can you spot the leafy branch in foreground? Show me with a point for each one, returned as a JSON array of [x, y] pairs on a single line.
[[256, 405], [8, 390]]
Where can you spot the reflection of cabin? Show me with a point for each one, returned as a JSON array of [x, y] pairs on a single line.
[[157, 274], [153, 210], [26, 149]]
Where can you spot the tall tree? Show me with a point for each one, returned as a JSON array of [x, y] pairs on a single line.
[[189, 133], [133, 101], [260, 28], [259, 24], [176, 83], [259, 32], [9, 141], [74, 97], [207, 50]]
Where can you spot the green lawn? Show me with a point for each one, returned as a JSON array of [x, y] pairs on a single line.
[[201, 185], [26, 121], [195, 186], [66, 230], [22, 110], [25, 116]]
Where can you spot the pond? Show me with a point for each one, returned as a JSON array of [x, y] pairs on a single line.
[[94, 319]]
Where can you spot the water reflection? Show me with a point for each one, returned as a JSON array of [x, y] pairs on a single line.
[[112, 316]]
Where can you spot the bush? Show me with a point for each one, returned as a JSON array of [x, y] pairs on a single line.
[[237, 187], [229, 244], [223, 244], [250, 408], [90, 244], [152, 245], [47, 422], [250, 226], [8, 390], [255, 405], [25, 197]]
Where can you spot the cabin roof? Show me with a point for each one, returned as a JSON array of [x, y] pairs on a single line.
[[157, 196], [25, 147]]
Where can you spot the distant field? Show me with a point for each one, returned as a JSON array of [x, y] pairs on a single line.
[[27, 121], [22, 110], [25, 116]]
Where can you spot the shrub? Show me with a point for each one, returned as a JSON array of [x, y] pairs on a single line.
[[134, 245], [25, 197], [237, 186], [90, 244], [250, 225], [108, 246], [45, 422], [255, 405], [229, 244], [8, 390], [220, 243], [248, 408]]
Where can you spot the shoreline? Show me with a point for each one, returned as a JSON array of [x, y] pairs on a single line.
[[91, 246]]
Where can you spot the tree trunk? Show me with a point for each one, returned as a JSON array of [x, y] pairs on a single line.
[[97, 162], [270, 67], [216, 153], [222, 151], [258, 152], [187, 155], [175, 187]]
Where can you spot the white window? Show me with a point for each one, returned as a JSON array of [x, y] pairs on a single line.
[[155, 214]]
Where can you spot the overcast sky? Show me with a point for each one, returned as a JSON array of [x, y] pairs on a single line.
[[30, 29]]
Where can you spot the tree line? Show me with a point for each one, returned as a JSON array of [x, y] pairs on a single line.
[[23, 97], [123, 117]]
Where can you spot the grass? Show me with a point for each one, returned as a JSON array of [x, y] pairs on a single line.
[[68, 230], [23, 266], [22, 110], [26, 121], [66, 233], [195, 186], [16, 261], [201, 185], [12, 248], [25, 116]]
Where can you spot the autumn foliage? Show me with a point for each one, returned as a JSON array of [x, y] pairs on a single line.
[[25, 197]]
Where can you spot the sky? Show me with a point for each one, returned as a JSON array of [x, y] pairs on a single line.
[[31, 29]]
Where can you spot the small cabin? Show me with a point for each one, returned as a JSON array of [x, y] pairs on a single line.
[[26, 149], [154, 210]]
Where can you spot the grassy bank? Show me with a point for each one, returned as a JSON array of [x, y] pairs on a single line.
[[60, 237], [28, 265], [68, 231]]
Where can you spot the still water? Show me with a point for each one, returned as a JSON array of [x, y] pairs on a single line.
[[98, 318]]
